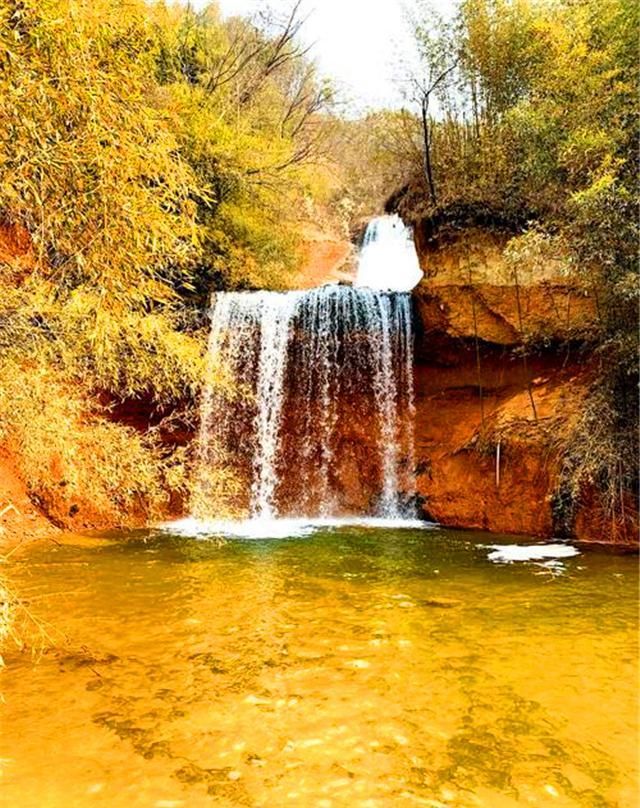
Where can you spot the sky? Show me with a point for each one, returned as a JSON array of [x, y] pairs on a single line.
[[360, 44]]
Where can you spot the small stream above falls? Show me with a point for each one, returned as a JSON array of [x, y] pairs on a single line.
[[320, 422], [388, 259]]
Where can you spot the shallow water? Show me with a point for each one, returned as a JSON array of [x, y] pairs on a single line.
[[351, 667]]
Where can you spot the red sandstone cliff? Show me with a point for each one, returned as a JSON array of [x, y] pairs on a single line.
[[501, 374]]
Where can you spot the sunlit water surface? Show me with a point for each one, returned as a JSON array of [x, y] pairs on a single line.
[[350, 666]]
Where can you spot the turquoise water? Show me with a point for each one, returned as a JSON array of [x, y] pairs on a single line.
[[350, 666]]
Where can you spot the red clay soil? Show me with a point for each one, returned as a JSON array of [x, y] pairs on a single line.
[[460, 480], [464, 481], [457, 429], [20, 520], [16, 251], [326, 258], [501, 315]]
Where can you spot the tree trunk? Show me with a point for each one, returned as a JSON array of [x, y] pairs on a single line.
[[427, 148]]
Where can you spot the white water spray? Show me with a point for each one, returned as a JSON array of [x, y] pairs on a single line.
[[388, 258], [300, 365], [275, 322]]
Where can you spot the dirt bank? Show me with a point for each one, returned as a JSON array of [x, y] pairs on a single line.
[[502, 372], [20, 520], [486, 442], [327, 257]]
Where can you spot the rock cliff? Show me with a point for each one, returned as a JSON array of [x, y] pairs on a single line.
[[502, 370]]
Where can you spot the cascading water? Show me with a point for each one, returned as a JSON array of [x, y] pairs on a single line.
[[388, 258], [305, 370], [308, 410]]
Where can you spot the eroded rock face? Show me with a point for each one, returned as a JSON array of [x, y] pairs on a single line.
[[489, 443], [459, 257], [485, 453], [505, 315], [475, 390], [472, 290]]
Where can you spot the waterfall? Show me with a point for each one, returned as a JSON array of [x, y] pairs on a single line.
[[276, 312], [309, 404], [388, 258]]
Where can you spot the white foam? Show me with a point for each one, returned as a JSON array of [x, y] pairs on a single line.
[[388, 258], [281, 528], [508, 553]]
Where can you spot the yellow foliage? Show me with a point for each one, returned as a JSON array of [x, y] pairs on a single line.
[[147, 170], [86, 161], [72, 458]]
